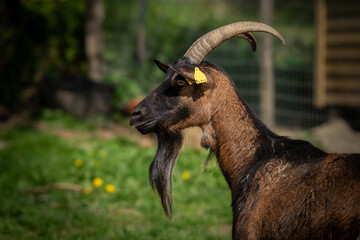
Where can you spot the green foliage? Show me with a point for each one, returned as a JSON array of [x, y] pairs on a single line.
[[30, 158], [39, 38], [126, 88], [65, 21], [48, 40], [58, 118], [171, 26]]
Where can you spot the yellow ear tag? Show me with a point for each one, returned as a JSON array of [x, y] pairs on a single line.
[[190, 81], [199, 76]]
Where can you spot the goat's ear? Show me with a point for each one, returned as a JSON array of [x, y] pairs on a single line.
[[185, 71], [163, 66], [188, 72]]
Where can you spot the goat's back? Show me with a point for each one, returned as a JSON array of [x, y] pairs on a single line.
[[306, 198]]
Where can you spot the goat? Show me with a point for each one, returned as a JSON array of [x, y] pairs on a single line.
[[280, 188]]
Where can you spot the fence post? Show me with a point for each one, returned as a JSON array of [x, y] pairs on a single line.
[[267, 100], [320, 56]]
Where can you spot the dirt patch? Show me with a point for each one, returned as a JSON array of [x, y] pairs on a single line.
[[192, 138], [222, 230], [333, 136], [337, 136]]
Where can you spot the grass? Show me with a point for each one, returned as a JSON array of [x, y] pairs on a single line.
[[31, 158]]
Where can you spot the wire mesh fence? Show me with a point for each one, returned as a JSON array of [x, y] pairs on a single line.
[[294, 64], [293, 87], [294, 82]]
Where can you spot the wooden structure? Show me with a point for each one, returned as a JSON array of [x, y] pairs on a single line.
[[337, 68]]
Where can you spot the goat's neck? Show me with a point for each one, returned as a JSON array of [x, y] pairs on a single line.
[[238, 136]]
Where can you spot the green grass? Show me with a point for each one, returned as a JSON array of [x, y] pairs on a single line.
[[30, 158]]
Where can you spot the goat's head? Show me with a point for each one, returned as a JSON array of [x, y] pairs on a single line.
[[183, 101]]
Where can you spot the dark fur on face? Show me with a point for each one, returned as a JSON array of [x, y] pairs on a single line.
[[166, 112], [160, 172]]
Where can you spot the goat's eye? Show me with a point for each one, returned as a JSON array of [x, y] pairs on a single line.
[[180, 82]]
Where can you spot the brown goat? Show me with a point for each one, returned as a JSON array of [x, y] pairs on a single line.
[[281, 188]]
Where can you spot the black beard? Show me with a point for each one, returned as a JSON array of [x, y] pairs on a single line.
[[161, 169]]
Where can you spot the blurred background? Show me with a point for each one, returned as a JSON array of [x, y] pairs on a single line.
[[71, 71]]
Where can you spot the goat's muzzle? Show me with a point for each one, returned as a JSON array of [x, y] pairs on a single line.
[[141, 119]]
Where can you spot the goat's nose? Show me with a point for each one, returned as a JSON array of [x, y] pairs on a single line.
[[135, 112], [138, 111]]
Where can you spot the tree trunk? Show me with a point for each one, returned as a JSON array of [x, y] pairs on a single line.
[[141, 34], [94, 39]]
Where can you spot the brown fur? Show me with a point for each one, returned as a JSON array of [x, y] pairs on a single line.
[[281, 188]]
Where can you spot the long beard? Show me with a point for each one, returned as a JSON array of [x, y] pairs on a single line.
[[161, 169]]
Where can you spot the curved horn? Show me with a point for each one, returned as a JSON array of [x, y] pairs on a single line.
[[250, 38], [205, 44]]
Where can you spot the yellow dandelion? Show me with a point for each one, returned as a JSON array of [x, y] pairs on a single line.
[[97, 182], [87, 190], [102, 153], [185, 175], [78, 163], [110, 188]]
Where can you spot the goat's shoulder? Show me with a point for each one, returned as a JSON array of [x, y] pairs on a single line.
[[288, 160], [297, 152], [306, 183], [302, 168], [293, 162], [302, 154], [341, 166]]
